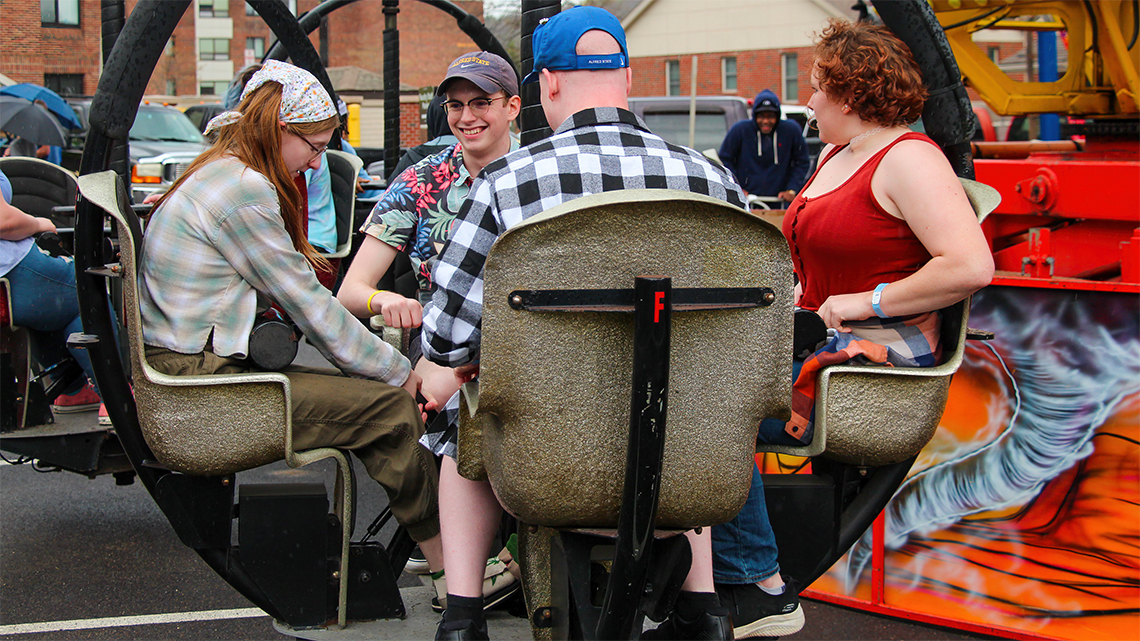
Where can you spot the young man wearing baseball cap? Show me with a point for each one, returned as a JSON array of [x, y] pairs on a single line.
[[416, 215], [582, 66]]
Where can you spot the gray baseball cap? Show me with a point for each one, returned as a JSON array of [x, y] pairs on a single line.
[[488, 71]]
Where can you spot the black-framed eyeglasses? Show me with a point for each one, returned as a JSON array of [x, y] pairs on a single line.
[[316, 150], [478, 106]]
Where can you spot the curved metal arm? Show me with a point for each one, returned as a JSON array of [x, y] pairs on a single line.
[[948, 116], [470, 25]]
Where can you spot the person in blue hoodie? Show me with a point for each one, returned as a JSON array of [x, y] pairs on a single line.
[[747, 151]]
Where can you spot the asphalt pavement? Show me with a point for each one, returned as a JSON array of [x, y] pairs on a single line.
[[85, 559]]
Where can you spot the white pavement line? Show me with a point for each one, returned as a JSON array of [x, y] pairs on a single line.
[[144, 619]]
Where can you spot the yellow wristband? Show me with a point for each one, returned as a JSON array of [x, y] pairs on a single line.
[[369, 303]]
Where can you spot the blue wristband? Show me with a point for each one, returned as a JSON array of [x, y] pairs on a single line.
[[877, 296]]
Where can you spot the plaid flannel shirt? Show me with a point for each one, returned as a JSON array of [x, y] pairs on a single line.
[[594, 151], [217, 251]]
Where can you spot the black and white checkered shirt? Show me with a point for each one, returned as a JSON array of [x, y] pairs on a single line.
[[594, 151]]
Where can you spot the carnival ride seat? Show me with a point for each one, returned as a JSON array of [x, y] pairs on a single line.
[[38, 186], [871, 415], [211, 425], [343, 170], [549, 419]]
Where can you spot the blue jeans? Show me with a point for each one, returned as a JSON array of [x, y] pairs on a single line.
[[744, 549], [44, 301]]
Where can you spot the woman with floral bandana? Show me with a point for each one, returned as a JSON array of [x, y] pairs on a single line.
[[228, 240]]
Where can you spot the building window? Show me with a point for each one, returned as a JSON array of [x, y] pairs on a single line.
[[673, 77], [64, 84], [213, 88], [169, 50], [214, 8], [59, 13], [728, 74], [994, 54], [213, 49], [256, 46], [292, 4], [791, 77], [171, 87]]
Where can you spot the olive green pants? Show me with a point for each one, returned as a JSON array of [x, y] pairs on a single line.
[[377, 422]]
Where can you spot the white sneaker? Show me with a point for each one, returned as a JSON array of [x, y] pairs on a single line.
[[417, 563], [498, 585]]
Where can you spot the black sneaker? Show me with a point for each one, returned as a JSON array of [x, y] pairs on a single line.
[[708, 626], [755, 613], [462, 630]]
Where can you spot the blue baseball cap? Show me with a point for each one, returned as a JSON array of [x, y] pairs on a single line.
[[555, 39]]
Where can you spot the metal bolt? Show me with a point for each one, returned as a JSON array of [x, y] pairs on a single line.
[[516, 301], [769, 297]]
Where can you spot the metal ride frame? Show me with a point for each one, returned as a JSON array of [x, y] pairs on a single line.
[[856, 492]]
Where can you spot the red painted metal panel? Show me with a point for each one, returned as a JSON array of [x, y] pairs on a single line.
[[1066, 185], [1017, 280]]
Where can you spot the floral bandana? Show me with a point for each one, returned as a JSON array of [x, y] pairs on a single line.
[[303, 99]]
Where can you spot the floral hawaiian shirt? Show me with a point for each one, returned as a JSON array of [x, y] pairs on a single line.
[[414, 214]]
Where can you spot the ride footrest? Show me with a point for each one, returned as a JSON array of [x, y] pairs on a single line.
[[581, 561], [372, 590], [22, 404], [283, 538], [804, 514], [289, 544]]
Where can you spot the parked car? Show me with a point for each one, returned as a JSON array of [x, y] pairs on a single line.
[[668, 117], [201, 115], [162, 142], [806, 120]]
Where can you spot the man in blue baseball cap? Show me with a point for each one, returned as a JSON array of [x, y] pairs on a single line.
[[582, 67], [556, 39]]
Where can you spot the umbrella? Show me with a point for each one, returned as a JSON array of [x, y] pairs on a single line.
[[31, 122], [54, 103]]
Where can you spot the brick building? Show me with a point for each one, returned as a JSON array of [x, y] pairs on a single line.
[[741, 46], [52, 43], [745, 46], [59, 46], [216, 38]]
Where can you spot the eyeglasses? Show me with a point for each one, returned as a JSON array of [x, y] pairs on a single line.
[[478, 106], [316, 150]]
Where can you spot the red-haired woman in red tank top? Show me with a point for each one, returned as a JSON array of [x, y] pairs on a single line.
[[883, 229]]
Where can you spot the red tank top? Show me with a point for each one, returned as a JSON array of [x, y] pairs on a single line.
[[843, 241]]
